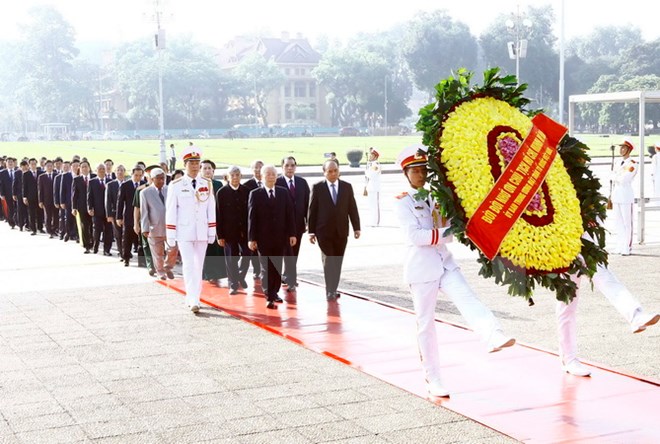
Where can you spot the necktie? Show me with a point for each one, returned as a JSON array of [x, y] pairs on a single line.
[[334, 193], [272, 196], [50, 176], [194, 183], [292, 188], [86, 181], [34, 173], [259, 184], [11, 174], [160, 194]]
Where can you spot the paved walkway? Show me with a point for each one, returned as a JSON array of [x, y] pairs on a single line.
[[93, 351]]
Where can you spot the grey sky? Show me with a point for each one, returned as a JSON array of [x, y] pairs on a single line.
[[214, 22]]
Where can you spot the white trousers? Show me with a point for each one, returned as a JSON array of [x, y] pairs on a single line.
[[374, 208], [477, 315], [615, 292], [192, 258], [623, 214]]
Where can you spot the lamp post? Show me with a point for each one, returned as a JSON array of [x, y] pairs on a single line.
[[385, 116], [518, 26], [159, 40]]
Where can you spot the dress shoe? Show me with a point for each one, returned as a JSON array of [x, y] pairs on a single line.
[[331, 296], [51, 236], [291, 289], [436, 389], [34, 233], [42, 231], [66, 238], [234, 291], [126, 263], [575, 367], [278, 299], [271, 305], [96, 251], [642, 320], [243, 284], [87, 251], [194, 308], [152, 272], [498, 341], [169, 274], [107, 253], [162, 277]]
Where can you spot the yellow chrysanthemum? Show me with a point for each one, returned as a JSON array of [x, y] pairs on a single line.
[[464, 144]]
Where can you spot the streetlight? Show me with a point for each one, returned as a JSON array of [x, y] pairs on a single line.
[[518, 26], [385, 116], [159, 40]]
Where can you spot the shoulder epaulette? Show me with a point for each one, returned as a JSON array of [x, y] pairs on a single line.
[[177, 180], [142, 187], [402, 195]]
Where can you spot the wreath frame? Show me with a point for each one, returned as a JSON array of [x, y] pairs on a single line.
[[450, 93]]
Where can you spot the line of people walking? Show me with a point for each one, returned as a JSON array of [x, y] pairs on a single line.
[[218, 229]]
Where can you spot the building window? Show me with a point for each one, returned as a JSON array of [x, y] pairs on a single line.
[[300, 89], [312, 89], [287, 90]]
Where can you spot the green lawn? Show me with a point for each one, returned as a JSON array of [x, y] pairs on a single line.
[[307, 150]]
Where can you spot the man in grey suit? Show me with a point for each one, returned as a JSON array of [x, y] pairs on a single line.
[[152, 221]]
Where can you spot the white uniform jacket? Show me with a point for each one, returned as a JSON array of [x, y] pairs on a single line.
[[372, 173], [427, 255], [190, 212], [622, 177]]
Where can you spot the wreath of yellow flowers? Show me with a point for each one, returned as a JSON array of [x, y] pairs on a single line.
[[547, 247], [472, 133]]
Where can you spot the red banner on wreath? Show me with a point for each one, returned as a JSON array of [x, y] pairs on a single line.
[[516, 186]]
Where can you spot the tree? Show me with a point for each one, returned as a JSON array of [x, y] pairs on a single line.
[[539, 68], [641, 59], [47, 51], [604, 42], [434, 46], [261, 76]]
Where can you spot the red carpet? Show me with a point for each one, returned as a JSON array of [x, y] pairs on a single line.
[[520, 392]]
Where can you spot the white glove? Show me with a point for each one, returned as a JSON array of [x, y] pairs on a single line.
[[171, 242], [211, 239]]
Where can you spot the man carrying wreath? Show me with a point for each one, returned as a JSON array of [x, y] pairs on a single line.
[[429, 266]]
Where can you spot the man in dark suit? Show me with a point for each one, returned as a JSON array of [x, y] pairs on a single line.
[[271, 228], [17, 195], [109, 166], [6, 182], [251, 184], [331, 207], [79, 205], [45, 194], [125, 218], [299, 190], [31, 197], [57, 198], [111, 194], [71, 231], [96, 209], [232, 217]]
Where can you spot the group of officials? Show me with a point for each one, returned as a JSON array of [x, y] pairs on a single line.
[[218, 229]]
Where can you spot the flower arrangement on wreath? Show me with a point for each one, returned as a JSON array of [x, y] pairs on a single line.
[[473, 133]]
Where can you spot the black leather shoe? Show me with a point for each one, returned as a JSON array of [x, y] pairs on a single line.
[[169, 274], [234, 291], [271, 305], [291, 289], [152, 272], [87, 251], [107, 253], [278, 299], [34, 233], [331, 296], [243, 284], [125, 263]]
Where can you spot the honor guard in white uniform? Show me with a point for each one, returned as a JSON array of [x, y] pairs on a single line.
[[655, 170], [617, 295], [372, 187], [429, 266], [623, 198], [190, 222]]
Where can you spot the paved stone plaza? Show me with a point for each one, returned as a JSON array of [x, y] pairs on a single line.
[[91, 351]]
